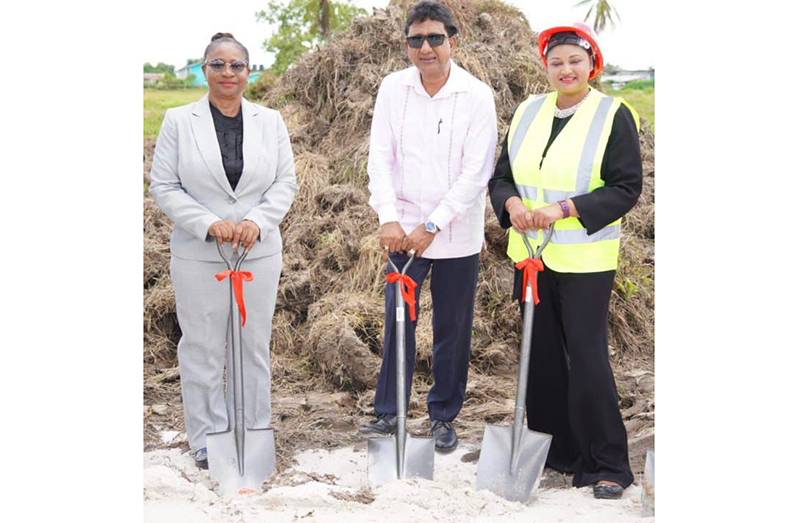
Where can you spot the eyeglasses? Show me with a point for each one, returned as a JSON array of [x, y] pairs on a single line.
[[416, 42], [219, 65]]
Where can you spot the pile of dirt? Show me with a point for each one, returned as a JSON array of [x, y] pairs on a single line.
[[329, 317]]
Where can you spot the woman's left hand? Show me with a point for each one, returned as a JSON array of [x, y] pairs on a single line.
[[246, 232], [543, 217]]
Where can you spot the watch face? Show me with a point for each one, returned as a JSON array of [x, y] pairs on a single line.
[[430, 227]]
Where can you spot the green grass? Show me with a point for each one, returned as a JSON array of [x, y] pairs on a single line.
[[156, 102], [641, 99]]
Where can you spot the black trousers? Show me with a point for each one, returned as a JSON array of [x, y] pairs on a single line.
[[571, 392], [453, 286]]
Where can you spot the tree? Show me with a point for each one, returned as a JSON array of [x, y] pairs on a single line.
[[303, 24], [602, 13], [160, 68]]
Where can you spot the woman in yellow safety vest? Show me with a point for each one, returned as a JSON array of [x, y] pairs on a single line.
[[572, 157]]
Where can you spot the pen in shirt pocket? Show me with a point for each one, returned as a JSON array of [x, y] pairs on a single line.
[[439, 125]]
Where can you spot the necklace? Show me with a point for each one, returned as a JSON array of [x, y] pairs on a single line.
[[565, 113]]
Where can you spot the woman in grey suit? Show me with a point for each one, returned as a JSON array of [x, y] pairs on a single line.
[[223, 171]]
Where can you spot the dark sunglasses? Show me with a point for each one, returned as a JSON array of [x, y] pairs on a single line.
[[416, 42], [219, 65]]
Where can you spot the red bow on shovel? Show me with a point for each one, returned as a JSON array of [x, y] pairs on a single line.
[[408, 287], [238, 278], [531, 266]]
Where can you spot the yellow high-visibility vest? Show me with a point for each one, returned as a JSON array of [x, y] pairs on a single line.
[[572, 167]]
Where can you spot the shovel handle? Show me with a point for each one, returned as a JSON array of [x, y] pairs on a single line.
[[235, 263], [546, 238], [412, 254]]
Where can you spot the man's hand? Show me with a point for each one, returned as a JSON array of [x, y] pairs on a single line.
[[418, 240], [391, 235], [543, 217], [520, 215], [245, 232], [223, 230]]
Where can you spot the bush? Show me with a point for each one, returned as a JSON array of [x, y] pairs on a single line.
[[640, 85], [257, 90], [170, 81]]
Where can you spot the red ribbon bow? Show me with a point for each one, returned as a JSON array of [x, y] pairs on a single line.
[[408, 288], [531, 267], [237, 277]]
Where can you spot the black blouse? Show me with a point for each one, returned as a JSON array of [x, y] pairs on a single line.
[[230, 133]]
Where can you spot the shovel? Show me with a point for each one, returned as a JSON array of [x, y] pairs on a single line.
[[400, 456], [512, 458], [239, 458]]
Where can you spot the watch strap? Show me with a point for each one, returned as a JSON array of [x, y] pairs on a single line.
[[566, 209]]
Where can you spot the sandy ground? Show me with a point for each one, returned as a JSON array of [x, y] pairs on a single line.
[[331, 486]]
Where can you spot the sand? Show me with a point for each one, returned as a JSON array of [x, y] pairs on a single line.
[[331, 486]]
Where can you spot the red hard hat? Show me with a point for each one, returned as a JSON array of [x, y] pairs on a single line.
[[582, 30]]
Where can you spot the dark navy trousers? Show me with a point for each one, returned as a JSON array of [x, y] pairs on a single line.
[[453, 286]]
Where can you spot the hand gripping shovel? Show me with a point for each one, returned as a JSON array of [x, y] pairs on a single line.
[[239, 458], [400, 456], [512, 458]]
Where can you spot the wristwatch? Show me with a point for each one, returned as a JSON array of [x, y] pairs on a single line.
[[431, 227]]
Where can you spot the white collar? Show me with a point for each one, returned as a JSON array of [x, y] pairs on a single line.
[[457, 81]]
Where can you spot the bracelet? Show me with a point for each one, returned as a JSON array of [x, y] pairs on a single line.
[[566, 210]]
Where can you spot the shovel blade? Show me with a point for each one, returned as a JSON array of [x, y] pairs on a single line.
[[382, 454], [493, 469], [259, 459]]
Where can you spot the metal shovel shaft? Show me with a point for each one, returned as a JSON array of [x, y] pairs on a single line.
[[238, 384], [237, 372], [523, 378], [401, 401], [526, 351]]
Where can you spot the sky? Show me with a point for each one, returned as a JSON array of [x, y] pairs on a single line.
[[179, 30]]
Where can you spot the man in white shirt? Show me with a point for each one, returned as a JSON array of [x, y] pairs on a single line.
[[433, 139]]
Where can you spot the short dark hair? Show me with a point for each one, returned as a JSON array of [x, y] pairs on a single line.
[[426, 10], [221, 38]]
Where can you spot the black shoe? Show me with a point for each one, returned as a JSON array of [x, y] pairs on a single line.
[[201, 458], [607, 491], [384, 424], [444, 434]]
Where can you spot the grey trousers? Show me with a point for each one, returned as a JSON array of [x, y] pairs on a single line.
[[203, 311]]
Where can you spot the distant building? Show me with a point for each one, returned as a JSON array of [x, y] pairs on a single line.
[[620, 78], [195, 68], [152, 78]]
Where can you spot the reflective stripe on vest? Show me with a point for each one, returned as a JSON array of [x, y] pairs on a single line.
[[571, 248], [576, 236], [523, 126]]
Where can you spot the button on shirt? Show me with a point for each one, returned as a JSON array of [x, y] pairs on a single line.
[[430, 158]]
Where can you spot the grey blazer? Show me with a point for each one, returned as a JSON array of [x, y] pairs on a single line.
[[188, 182]]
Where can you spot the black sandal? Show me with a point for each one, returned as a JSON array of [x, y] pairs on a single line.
[[607, 491]]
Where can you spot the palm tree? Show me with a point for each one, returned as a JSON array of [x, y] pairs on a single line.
[[602, 13], [324, 18]]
